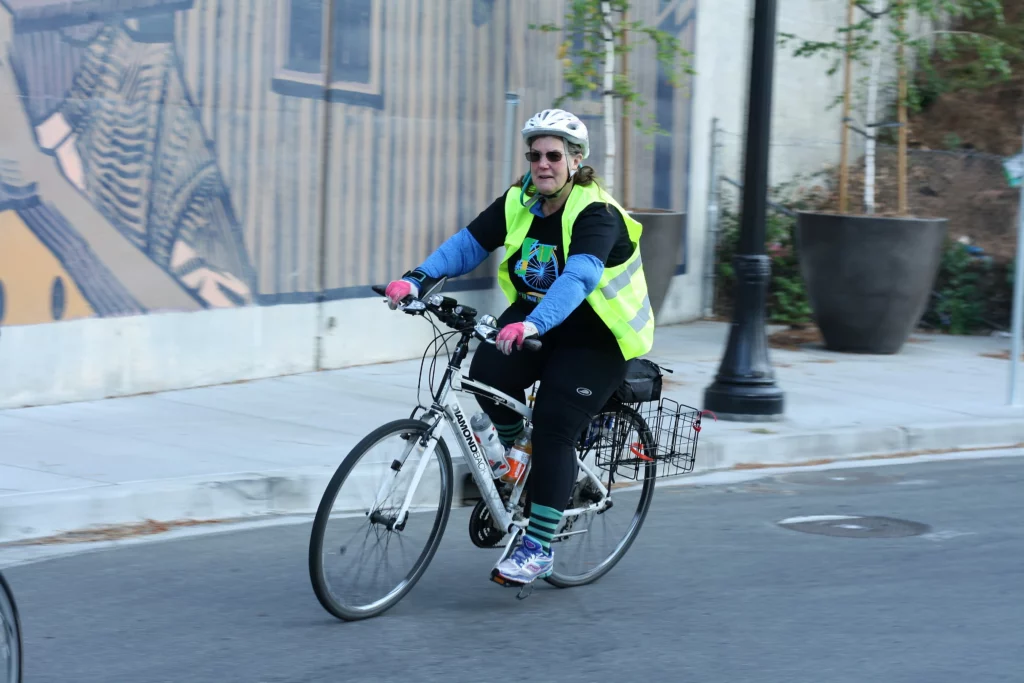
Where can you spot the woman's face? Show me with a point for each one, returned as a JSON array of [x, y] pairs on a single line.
[[551, 169]]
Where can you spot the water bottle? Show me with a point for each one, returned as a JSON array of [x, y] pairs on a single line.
[[487, 436], [519, 458]]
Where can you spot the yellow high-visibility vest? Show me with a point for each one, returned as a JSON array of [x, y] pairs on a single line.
[[620, 299]]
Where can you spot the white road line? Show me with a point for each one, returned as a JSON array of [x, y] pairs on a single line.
[[816, 518]]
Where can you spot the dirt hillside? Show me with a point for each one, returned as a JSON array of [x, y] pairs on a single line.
[[955, 158]]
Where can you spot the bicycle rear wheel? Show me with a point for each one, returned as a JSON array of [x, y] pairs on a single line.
[[10, 636], [366, 514], [581, 556]]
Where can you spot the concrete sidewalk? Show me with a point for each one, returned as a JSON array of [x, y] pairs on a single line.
[[270, 446]]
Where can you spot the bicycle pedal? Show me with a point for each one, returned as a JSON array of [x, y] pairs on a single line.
[[497, 578], [525, 589]]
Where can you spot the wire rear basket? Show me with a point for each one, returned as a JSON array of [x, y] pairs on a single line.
[[670, 443]]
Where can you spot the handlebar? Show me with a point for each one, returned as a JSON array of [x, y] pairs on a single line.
[[456, 316]]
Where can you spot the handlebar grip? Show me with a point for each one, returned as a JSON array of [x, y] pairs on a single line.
[[532, 344], [380, 289]]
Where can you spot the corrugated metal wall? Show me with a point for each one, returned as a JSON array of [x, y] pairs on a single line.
[[238, 179], [403, 177]]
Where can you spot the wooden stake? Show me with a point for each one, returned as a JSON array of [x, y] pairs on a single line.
[[610, 166], [844, 153], [901, 154], [627, 199]]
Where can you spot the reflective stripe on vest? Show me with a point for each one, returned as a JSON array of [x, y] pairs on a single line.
[[620, 298]]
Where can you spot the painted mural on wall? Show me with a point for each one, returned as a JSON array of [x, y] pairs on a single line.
[[193, 129], [106, 99], [50, 273]]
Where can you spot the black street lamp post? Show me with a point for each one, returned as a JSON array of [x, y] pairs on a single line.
[[745, 388]]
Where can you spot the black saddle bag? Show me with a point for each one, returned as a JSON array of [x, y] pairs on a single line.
[[642, 383]]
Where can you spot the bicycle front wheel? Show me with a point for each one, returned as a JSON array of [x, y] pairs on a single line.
[[10, 636], [359, 520], [586, 546]]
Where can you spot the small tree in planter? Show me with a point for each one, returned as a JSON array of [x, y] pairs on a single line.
[[869, 277], [787, 299], [602, 28]]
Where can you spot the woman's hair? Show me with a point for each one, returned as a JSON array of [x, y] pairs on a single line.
[[585, 175]]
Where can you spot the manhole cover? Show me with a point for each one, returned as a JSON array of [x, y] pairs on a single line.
[[850, 526], [835, 478]]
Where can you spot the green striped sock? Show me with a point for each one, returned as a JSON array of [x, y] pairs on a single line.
[[508, 434], [543, 522]]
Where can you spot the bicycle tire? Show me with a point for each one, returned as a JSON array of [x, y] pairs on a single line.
[[7, 596], [320, 587], [646, 496]]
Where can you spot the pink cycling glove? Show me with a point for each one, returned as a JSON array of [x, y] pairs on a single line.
[[398, 290], [516, 332]]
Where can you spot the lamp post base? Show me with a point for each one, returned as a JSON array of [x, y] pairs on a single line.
[[744, 389], [745, 403]]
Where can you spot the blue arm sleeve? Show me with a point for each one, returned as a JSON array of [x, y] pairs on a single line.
[[580, 277], [458, 255]]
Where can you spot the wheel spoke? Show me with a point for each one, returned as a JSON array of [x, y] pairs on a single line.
[[589, 544], [338, 584]]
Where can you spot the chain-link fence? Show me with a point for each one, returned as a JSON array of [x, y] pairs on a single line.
[[973, 291]]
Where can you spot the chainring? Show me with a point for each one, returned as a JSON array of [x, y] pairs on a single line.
[[481, 531]]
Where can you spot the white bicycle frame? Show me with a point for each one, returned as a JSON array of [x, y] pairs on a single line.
[[446, 409]]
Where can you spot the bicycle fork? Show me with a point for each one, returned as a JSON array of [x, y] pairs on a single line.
[[425, 451], [480, 470]]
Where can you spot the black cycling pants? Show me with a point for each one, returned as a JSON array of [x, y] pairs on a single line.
[[577, 377]]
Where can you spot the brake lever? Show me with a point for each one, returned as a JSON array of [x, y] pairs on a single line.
[[406, 304], [411, 304], [530, 344]]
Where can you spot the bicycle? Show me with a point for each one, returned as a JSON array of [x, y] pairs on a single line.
[[625, 443], [10, 635]]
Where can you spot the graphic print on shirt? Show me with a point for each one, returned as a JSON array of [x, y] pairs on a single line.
[[537, 266]]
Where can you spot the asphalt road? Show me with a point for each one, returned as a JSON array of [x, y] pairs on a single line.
[[713, 590]]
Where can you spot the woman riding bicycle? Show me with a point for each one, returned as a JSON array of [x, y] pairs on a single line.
[[573, 277]]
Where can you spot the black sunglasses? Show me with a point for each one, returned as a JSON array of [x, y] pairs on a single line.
[[553, 156]]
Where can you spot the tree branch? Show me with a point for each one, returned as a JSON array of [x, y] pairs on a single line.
[[872, 13]]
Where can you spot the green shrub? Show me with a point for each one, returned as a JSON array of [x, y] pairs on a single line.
[[786, 302], [972, 293]]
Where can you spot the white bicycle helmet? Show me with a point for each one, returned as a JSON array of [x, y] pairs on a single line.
[[560, 123]]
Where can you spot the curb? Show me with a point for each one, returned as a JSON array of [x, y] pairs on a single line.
[[852, 442], [215, 497], [247, 495]]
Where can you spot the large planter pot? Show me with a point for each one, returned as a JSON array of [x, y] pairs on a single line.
[[868, 278], [660, 248]]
